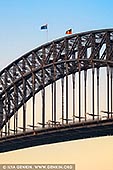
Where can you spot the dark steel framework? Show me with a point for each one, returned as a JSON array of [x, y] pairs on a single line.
[[43, 66]]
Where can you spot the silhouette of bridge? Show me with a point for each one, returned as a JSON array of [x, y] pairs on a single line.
[[60, 91]]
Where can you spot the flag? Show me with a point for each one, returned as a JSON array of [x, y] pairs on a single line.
[[69, 31], [43, 27]]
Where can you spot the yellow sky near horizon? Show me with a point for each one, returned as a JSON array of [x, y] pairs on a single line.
[[86, 154]]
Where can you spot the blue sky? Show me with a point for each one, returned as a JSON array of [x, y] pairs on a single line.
[[20, 22]]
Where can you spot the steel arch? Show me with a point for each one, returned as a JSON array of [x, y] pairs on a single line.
[[42, 66]]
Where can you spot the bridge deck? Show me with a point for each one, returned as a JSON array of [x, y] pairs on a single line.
[[62, 133]]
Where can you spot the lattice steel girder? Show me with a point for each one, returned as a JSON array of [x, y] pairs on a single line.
[[51, 62]]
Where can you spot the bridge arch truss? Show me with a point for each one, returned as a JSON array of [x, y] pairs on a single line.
[[31, 73]]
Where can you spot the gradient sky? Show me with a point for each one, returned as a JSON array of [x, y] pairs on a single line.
[[20, 22]]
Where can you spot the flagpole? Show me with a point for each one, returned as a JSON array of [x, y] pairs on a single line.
[[47, 34]]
